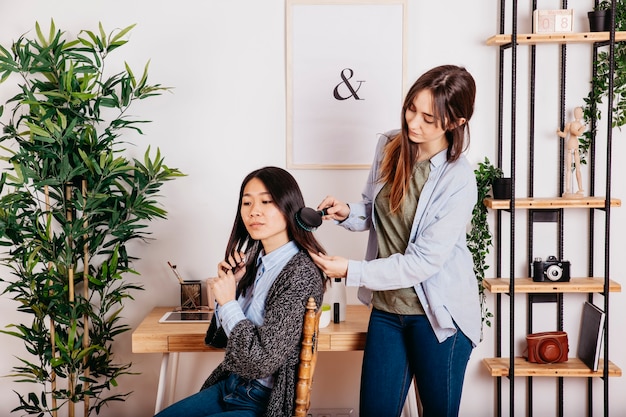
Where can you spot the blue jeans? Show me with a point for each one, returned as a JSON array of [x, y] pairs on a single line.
[[232, 397], [399, 347]]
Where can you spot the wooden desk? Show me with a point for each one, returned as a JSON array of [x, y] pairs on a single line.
[[173, 338]]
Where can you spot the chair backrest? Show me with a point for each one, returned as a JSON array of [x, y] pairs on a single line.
[[308, 358]]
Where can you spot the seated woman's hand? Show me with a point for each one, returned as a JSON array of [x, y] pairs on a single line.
[[224, 287], [235, 262]]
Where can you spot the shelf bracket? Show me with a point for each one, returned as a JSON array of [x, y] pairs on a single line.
[[544, 216], [542, 298]]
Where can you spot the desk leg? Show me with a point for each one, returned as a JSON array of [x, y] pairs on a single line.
[[161, 387], [173, 377], [162, 381]]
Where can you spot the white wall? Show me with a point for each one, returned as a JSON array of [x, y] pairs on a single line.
[[226, 116]]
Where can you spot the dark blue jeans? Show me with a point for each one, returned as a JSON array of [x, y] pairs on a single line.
[[232, 397], [399, 347]]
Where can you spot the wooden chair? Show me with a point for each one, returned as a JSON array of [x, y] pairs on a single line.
[[308, 358]]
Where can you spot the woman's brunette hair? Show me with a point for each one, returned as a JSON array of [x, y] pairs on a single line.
[[453, 90], [287, 196]]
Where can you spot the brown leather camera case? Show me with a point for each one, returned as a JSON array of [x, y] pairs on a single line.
[[547, 347]]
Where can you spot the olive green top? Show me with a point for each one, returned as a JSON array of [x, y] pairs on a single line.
[[393, 231]]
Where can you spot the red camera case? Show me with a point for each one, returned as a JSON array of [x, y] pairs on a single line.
[[547, 347]]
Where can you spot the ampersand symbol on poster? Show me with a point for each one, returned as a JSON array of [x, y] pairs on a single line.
[[345, 82]]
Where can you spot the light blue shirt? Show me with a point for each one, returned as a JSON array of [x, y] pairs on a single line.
[[252, 305], [437, 262]]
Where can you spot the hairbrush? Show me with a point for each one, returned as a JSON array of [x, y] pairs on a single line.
[[309, 219]]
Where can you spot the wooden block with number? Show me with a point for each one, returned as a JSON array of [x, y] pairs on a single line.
[[553, 21]]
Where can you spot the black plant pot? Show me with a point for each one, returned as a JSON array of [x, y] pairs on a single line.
[[599, 20], [502, 188]]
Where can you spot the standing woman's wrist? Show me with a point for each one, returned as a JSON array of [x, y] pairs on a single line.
[[347, 215]]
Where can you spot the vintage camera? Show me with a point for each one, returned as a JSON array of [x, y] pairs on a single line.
[[551, 269]]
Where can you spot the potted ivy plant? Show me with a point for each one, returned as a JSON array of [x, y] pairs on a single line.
[[479, 237], [599, 85], [70, 202]]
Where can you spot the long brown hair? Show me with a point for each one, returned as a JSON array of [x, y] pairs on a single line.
[[453, 90], [287, 196]]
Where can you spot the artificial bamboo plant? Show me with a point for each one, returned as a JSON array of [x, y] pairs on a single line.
[[70, 203]]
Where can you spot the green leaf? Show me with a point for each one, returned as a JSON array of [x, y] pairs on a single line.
[[38, 131], [40, 36], [130, 75], [103, 35], [122, 33]]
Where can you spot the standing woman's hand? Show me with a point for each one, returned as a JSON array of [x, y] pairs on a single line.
[[335, 209], [332, 266]]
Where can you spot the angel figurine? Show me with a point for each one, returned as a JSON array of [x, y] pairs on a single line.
[[573, 130]]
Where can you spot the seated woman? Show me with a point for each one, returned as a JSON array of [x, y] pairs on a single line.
[[262, 289]]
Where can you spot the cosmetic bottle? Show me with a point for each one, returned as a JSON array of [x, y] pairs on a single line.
[[335, 296]]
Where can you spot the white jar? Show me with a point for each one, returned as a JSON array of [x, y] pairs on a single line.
[[325, 316]]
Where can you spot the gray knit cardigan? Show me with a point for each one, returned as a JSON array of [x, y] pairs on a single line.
[[273, 348]]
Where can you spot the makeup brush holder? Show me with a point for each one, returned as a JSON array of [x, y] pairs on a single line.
[[190, 295], [210, 298]]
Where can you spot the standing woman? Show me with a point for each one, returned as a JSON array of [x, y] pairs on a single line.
[[262, 289], [418, 273]]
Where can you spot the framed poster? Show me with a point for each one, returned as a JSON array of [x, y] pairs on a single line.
[[345, 78]]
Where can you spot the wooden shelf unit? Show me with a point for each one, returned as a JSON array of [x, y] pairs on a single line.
[[553, 211]]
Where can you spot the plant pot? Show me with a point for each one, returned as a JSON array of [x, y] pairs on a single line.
[[502, 188], [599, 20]]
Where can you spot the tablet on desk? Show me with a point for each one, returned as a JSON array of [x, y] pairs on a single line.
[[186, 317]]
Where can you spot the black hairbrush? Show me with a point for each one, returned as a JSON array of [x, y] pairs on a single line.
[[309, 219]]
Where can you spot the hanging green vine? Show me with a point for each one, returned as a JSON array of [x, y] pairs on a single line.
[[600, 83], [479, 237]]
